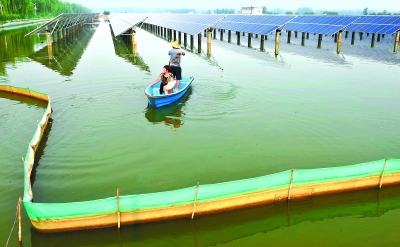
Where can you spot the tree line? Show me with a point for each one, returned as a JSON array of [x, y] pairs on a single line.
[[27, 9], [160, 11], [365, 12]]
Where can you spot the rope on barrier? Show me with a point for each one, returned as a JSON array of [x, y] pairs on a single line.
[[290, 186], [15, 220], [19, 221], [195, 199], [383, 173], [118, 212]]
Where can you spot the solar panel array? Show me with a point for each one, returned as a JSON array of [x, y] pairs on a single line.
[[120, 23], [376, 24], [320, 24], [194, 24], [64, 20], [256, 24], [185, 23]]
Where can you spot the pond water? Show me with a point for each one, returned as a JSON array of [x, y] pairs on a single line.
[[248, 114]]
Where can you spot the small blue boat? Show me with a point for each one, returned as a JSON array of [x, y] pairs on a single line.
[[156, 99]]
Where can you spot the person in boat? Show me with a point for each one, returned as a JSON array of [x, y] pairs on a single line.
[[175, 55], [167, 80]]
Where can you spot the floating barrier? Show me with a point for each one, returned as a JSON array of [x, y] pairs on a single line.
[[211, 198], [199, 199], [228, 226], [24, 92]]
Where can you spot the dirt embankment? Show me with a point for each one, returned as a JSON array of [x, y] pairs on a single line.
[[22, 23]]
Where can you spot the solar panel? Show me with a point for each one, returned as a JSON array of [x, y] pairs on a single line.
[[120, 23], [255, 24], [62, 21], [319, 24], [265, 24], [376, 24], [191, 24]]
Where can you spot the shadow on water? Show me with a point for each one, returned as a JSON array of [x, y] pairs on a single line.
[[229, 226], [171, 114], [65, 54], [40, 151]]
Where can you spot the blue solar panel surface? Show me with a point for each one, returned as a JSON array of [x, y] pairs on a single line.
[[120, 23], [256, 24], [186, 23], [193, 24], [376, 24], [320, 24]]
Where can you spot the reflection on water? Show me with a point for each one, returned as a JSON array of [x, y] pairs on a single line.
[[211, 230], [382, 54], [254, 53], [14, 47], [171, 114], [382, 51], [64, 55], [125, 51]]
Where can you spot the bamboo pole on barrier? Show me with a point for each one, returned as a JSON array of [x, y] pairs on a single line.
[[339, 42], [277, 35], [118, 212], [383, 173], [290, 186], [19, 221], [209, 42], [134, 44], [396, 42], [262, 43], [195, 199]]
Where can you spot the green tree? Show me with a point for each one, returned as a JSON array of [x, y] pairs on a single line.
[[264, 10], [289, 12], [330, 13], [14, 9], [384, 13], [305, 10], [365, 11]]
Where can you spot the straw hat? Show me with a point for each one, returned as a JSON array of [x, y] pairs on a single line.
[[170, 85], [175, 44]]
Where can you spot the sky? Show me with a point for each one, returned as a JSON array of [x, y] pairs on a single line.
[[380, 5]]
